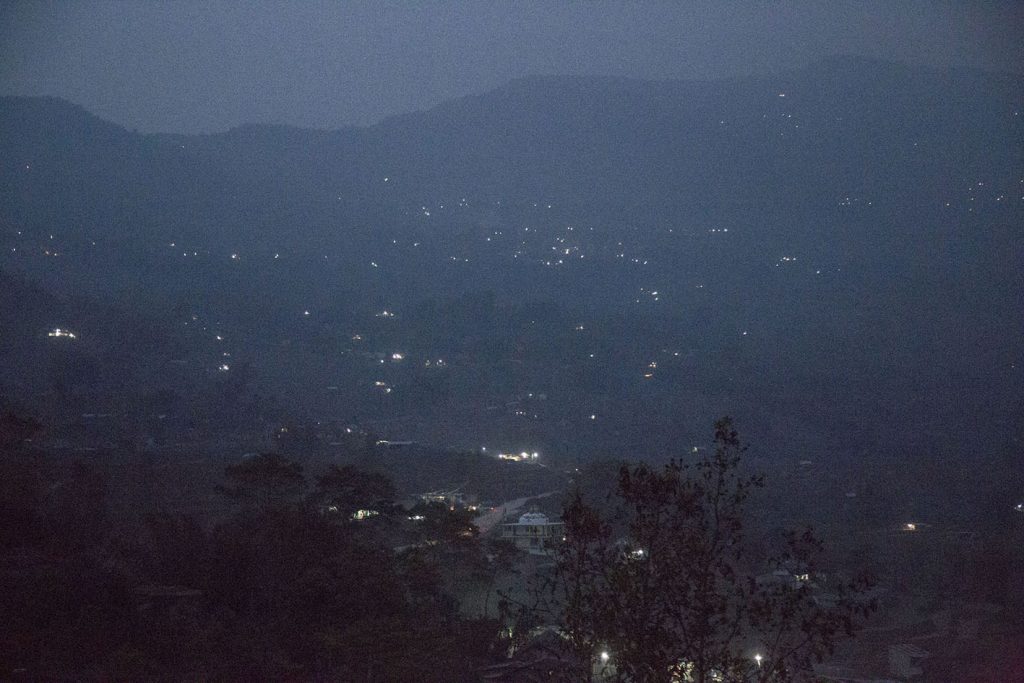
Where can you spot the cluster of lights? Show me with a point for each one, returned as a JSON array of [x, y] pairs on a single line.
[[652, 293], [58, 332], [519, 457]]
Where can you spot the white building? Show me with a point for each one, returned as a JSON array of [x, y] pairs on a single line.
[[534, 533]]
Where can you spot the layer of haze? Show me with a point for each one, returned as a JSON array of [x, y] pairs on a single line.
[[205, 67]]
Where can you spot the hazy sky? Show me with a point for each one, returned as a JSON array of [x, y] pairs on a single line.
[[207, 66]]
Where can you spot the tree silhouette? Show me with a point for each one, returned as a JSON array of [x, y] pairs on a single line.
[[265, 481], [662, 589], [347, 489], [15, 430]]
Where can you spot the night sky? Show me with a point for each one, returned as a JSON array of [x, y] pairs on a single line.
[[205, 67]]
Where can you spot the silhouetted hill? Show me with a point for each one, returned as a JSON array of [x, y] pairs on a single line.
[[77, 363], [819, 251], [846, 125]]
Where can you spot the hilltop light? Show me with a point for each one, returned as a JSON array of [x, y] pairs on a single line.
[[910, 526], [58, 332], [518, 457], [224, 368]]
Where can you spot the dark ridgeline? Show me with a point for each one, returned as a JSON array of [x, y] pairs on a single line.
[[590, 268], [858, 220]]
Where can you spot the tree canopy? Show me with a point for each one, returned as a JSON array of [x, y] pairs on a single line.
[[659, 585]]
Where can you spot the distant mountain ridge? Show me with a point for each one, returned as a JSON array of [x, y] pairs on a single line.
[[852, 224], [574, 140]]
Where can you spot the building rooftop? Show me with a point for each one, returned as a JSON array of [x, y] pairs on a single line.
[[534, 518]]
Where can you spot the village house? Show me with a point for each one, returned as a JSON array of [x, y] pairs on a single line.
[[534, 533]]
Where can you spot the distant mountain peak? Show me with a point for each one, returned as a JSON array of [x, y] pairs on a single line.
[[54, 115]]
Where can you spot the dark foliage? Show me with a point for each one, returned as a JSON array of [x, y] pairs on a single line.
[[275, 591], [264, 481], [347, 489], [676, 595]]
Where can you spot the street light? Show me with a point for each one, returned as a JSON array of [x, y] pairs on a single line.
[[758, 658], [605, 657]]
